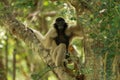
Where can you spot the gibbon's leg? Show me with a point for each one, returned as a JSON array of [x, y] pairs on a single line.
[[58, 55], [54, 54]]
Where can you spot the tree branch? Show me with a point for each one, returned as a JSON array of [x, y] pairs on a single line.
[[5, 2]]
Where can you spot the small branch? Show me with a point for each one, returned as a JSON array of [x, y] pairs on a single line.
[[5, 2]]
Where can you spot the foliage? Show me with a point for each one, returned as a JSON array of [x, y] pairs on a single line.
[[100, 19]]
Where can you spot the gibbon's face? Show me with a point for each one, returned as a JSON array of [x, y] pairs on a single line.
[[60, 24]]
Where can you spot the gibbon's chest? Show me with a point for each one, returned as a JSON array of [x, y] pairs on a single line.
[[62, 38]]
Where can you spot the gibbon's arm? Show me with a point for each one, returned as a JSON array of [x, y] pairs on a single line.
[[38, 35], [45, 40], [48, 38], [76, 31]]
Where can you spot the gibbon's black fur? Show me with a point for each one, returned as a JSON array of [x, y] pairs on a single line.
[[60, 26], [60, 22]]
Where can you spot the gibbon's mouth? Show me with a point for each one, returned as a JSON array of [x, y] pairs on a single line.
[[60, 27]]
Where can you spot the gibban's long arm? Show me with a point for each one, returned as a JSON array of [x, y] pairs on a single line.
[[38, 35], [47, 39]]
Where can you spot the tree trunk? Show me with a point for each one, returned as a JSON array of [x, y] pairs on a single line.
[[2, 69]]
